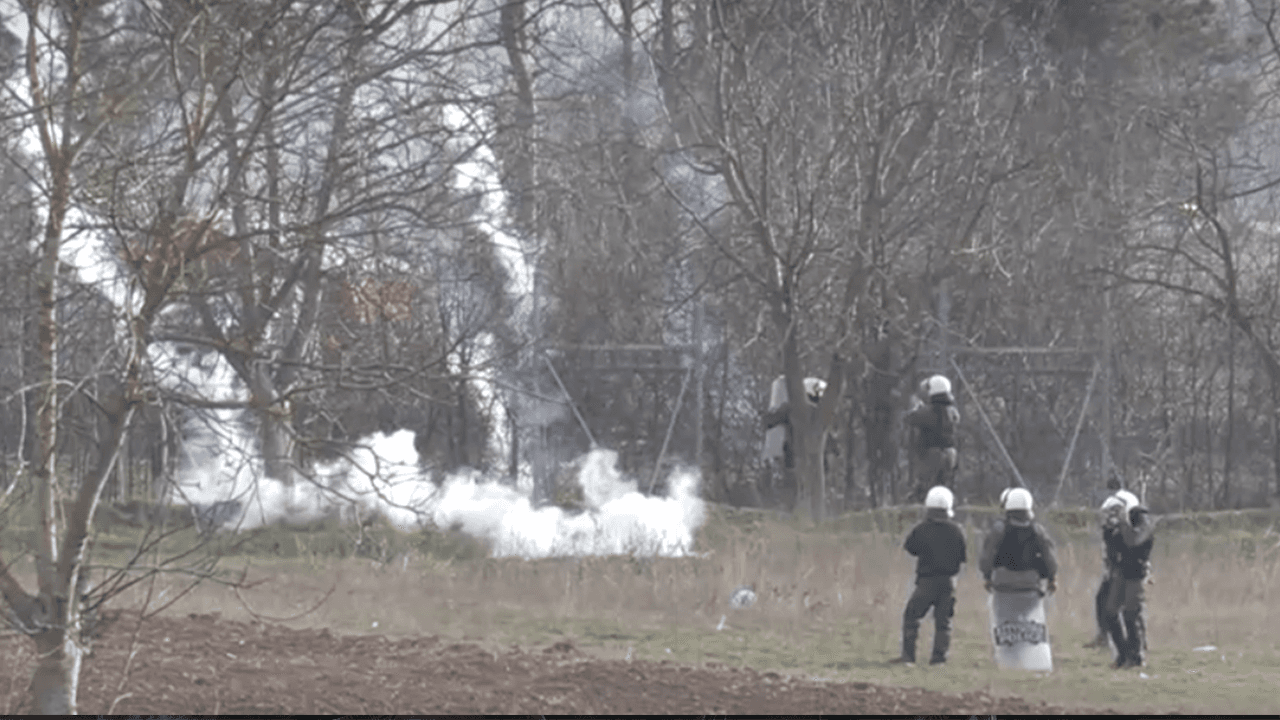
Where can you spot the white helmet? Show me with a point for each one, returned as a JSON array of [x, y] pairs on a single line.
[[1016, 499], [1121, 498], [1112, 501], [1130, 500], [937, 385], [814, 387], [941, 498]]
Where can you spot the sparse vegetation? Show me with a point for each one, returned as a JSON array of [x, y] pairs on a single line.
[[830, 603]]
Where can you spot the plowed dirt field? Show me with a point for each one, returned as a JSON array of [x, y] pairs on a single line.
[[203, 664]]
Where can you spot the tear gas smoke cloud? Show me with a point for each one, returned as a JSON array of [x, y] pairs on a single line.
[[618, 519], [383, 476], [222, 476]]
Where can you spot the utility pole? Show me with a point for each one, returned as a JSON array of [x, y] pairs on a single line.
[[1104, 404], [699, 357], [944, 323]]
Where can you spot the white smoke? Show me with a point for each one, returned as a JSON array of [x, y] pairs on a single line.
[[618, 518], [383, 477], [223, 475]]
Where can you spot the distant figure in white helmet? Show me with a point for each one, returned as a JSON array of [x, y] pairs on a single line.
[[777, 420], [938, 544], [934, 418], [1112, 551], [778, 442], [1132, 539]]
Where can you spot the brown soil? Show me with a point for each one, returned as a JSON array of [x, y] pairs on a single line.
[[203, 664]]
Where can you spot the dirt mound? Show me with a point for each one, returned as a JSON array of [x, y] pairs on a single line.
[[203, 664]]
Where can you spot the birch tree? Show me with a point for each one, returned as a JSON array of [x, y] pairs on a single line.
[[128, 167], [68, 110]]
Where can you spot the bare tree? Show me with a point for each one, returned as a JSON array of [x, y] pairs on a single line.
[[1197, 231], [837, 133], [360, 219], [68, 111], [127, 158]]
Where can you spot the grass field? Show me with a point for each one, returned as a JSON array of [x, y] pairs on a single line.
[[830, 604]]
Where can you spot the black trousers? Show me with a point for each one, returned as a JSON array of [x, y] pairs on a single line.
[[1125, 602], [939, 593], [937, 466], [1100, 603]]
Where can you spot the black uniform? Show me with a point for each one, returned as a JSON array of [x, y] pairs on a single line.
[[1108, 560], [935, 424], [1131, 544], [939, 546], [1112, 549]]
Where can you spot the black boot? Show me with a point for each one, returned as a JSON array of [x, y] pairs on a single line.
[[941, 641], [909, 644]]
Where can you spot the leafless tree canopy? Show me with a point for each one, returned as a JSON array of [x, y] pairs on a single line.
[[520, 227]]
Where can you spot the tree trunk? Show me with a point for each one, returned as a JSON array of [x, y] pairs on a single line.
[[1228, 437], [53, 616], [53, 687], [268, 384], [276, 435], [462, 454], [44, 467], [523, 174], [275, 425], [850, 475], [877, 418], [524, 165], [57, 675], [1275, 441], [809, 423]]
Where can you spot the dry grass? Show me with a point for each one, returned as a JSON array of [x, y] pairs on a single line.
[[829, 606]]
